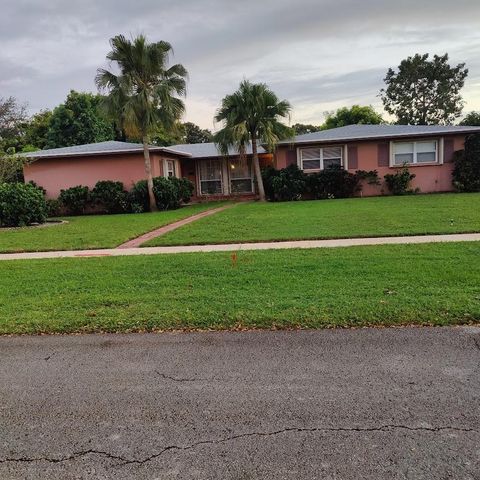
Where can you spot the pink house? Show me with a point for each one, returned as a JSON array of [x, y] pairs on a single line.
[[213, 175], [427, 150]]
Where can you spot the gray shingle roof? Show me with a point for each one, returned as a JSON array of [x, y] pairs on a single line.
[[195, 150], [360, 132], [101, 148], [203, 150]]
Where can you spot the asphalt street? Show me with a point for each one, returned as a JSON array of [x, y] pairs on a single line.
[[392, 403]]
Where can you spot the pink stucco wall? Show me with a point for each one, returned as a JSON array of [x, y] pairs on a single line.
[[55, 174], [429, 178]]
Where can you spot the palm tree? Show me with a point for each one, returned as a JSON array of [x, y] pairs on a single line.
[[252, 115], [144, 93]]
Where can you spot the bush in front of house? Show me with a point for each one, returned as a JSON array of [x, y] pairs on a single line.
[[110, 196], [185, 188], [75, 199], [169, 193], [333, 182], [54, 207], [466, 173], [398, 183], [284, 185], [21, 204]]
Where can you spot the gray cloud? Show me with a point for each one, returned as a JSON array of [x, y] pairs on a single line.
[[319, 54]]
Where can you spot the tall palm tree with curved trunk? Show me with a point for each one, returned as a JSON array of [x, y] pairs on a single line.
[[252, 115], [144, 93]]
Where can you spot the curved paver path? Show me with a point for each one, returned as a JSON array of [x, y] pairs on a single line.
[[158, 232], [343, 242]]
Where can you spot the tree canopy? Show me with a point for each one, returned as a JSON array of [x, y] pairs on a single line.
[[303, 128], [252, 114], [194, 134], [12, 117], [423, 91], [354, 115], [145, 93], [472, 119], [78, 121]]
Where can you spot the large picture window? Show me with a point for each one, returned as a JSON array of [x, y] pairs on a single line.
[[210, 177], [240, 176], [415, 152], [320, 158]]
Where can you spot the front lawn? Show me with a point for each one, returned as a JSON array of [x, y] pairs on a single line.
[[92, 231], [435, 284], [343, 218]]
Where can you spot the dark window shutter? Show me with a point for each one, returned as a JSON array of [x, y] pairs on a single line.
[[448, 150], [291, 158], [383, 154], [352, 157]]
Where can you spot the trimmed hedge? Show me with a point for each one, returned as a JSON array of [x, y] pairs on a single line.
[[110, 196], [21, 204], [169, 193], [291, 183], [75, 199]]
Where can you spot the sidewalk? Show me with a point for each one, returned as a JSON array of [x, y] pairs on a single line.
[[346, 242]]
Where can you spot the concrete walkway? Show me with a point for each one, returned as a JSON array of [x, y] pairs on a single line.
[[346, 242], [136, 242]]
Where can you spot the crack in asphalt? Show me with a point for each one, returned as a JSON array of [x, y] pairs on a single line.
[[177, 379], [476, 341], [125, 461]]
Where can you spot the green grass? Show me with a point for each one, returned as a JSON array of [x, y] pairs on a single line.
[[91, 231], [383, 285], [354, 217]]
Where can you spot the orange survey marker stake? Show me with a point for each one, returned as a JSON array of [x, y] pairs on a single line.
[[234, 259]]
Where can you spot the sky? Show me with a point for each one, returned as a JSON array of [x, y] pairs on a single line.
[[318, 54]]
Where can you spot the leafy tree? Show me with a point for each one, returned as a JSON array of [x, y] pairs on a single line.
[[354, 115], [36, 130], [194, 134], [423, 91], [252, 114], [145, 92], [301, 128], [78, 121], [472, 119], [12, 117], [164, 137]]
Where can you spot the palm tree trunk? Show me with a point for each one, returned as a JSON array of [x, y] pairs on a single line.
[[258, 173], [148, 172]]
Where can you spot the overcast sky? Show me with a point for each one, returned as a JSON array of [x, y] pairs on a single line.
[[318, 54]]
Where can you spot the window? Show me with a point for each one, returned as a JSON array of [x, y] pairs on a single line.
[[210, 177], [414, 152], [170, 168], [320, 158], [240, 176]]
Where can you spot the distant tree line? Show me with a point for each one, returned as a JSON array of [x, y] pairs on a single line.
[[77, 121]]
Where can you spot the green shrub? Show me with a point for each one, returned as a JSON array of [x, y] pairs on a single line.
[[169, 193], [185, 188], [54, 207], [283, 185], [110, 196], [333, 182], [466, 173], [75, 199], [398, 183], [138, 197], [21, 204], [268, 174]]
